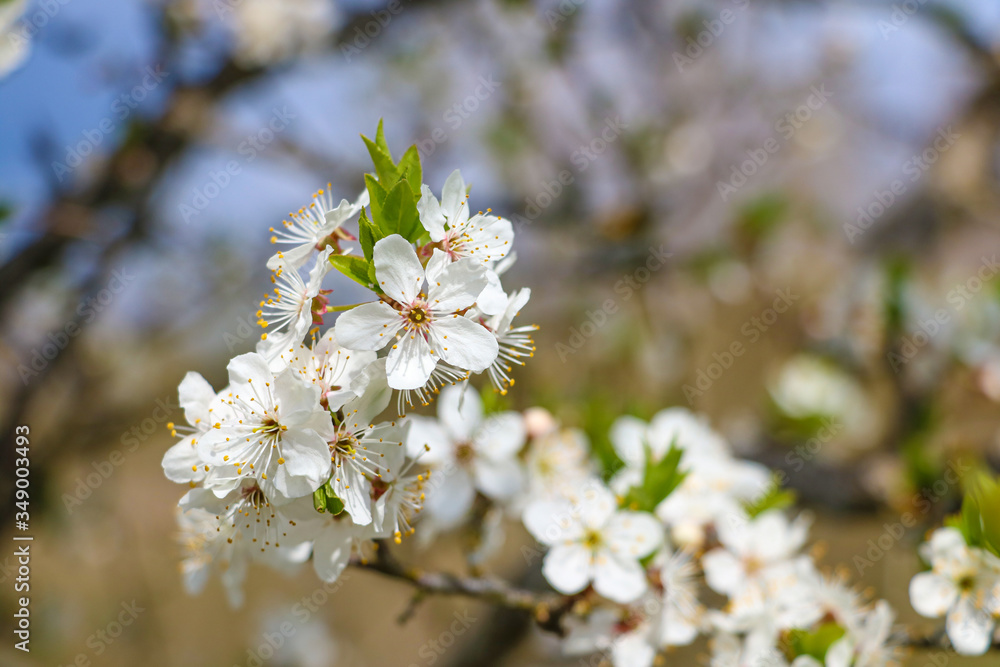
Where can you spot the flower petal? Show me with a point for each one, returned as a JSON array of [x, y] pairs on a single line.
[[620, 579], [397, 268], [567, 567], [368, 327], [460, 411], [410, 362], [465, 344], [931, 594], [969, 629], [456, 286]]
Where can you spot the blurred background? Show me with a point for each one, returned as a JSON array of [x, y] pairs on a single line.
[[783, 215]]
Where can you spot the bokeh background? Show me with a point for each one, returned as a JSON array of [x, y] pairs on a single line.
[[823, 176]]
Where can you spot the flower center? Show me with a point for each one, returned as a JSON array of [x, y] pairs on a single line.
[[593, 540]]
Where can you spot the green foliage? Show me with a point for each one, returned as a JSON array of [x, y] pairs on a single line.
[[393, 192], [979, 519], [658, 481], [760, 216], [325, 500], [775, 498], [357, 269], [817, 642]]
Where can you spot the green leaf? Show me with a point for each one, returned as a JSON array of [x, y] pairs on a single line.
[[385, 166], [355, 268], [409, 168], [817, 642], [319, 500], [774, 498], [368, 234], [659, 481], [332, 504], [380, 138], [399, 213]]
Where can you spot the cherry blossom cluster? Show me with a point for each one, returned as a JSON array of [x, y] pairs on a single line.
[[293, 459], [963, 582], [680, 518]]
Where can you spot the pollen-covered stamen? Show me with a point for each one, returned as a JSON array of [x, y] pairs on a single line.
[[442, 374], [255, 519], [351, 449], [417, 316], [406, 498], [515, 346]]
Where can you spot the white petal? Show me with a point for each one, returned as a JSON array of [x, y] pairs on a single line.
[[410, 362], [724, 573], [449, 497], [250, 366], [397, 268], [306, 466], [969, 629], [552, 522], [194, 395], [632, 650], [362, 411], [634, 534], [429, 441], [368, 327], [492, 300], [618, 578], [431, 216], [628, 435], [355, 492], [931, 594], [465, 344], [501, 436], [456, 286], [499, 479], [567, 568], [453, 198], [332, 552], [182, 463], [460, 410]]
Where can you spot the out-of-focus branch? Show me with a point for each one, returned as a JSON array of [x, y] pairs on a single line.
[[547, 609]]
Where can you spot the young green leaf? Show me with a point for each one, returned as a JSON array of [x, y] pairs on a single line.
[[659, 481], [355, 268], [774, 498], [385, 166], [399, 213], [409, 168], [368, 234]]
